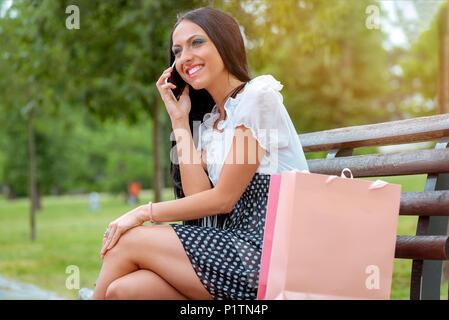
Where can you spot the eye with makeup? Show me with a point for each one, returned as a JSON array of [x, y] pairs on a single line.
[[195, 43]]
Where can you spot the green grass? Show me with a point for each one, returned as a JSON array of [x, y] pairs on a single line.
[[69, 234]]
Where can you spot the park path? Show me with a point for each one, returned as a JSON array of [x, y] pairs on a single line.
[[17, 290]]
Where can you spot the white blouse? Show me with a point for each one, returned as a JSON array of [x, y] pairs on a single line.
[[259, 108]]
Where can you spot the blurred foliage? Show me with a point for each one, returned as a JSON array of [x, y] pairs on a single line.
[[93, 90], [86, 156], [332, 66], [418, 81]]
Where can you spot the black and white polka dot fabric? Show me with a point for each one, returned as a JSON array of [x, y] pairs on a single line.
[[227, 258]]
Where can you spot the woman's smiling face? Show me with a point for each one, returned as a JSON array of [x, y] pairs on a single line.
[[197, 59]]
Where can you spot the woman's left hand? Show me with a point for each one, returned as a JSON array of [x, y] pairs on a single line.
[[116, 228]]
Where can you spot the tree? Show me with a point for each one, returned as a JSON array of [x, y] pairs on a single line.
[[25, 39], [332, 66], [421, 70], [117, 85], [443, 59], [121, 84]]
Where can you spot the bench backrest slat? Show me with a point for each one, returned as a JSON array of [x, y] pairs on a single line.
[[425, 203], [391, 164], [424, 247], [380, 134]]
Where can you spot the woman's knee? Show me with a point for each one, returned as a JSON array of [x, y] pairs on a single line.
[[116, 290], [129, 240]]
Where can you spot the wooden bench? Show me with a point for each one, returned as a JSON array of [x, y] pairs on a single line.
[[430, 246]]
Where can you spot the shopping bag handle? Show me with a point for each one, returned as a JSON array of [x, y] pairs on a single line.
[[375, 185], [342, 175]]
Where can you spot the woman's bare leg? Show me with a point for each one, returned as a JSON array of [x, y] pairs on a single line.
[[156, 248], [142, 285], [115, 265]]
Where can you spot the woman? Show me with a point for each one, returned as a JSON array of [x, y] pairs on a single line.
[[245, 136]]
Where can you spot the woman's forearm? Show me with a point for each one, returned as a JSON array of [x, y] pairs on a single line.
[[199, 205], [193, 177]]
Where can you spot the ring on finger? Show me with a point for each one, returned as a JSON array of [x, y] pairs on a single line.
[[106, 233]]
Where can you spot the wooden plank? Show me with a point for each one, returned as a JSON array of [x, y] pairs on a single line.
[[415, 280], [422, 247], [425, 203], [380, 134], [392, 164]]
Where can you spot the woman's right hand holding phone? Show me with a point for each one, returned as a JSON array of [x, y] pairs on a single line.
[[177, 109]]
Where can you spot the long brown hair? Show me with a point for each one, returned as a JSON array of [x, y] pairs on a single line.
[[224, 32]]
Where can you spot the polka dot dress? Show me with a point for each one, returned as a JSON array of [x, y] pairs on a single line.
[[227, 258]]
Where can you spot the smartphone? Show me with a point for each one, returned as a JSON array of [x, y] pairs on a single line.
[[176, 79]]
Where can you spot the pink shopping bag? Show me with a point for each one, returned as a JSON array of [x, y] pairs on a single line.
[[270, 219], [333, 238]]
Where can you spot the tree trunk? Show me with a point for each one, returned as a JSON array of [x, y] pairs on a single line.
[[157, 175], [34, 203], [37, 199], [443, 87], [346, 94]]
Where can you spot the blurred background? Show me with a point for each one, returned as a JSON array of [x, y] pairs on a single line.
[[84, 135]]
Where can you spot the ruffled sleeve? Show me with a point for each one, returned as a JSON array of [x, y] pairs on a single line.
[[261, 110]]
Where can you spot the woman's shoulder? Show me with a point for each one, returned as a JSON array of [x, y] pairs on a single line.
[[266, 80], [261, 92], [260, 88], [263, 89]]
